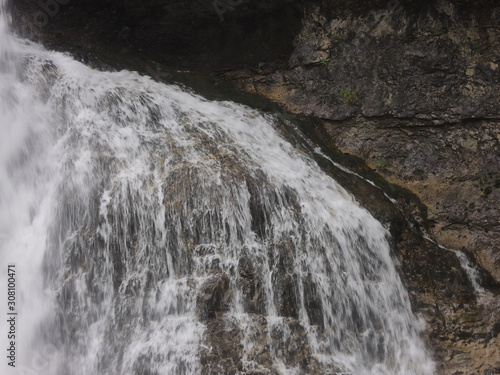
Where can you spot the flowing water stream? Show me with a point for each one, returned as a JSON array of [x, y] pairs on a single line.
[[155, 232]]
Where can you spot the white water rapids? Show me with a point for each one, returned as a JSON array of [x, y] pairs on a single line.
[[122, 200]]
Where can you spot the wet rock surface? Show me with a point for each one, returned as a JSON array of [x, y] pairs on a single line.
[[455, 171], [414, 92], [442, 294]]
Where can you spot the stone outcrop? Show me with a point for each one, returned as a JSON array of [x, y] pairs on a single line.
[[414, 91]]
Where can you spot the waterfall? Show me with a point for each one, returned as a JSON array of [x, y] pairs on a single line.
[[156, 232]]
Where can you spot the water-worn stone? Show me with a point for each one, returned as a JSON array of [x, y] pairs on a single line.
[[213, 297], [252, 286]]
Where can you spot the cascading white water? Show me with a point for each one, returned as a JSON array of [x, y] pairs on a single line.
[[131, 207]]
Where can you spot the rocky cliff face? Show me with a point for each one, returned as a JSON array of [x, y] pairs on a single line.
[[415, 92], [413, 88]]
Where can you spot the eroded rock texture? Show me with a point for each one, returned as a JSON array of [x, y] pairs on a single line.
[[413, 90]]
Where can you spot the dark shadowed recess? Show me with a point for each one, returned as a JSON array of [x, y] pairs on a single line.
[[203, 35], [200, 35]]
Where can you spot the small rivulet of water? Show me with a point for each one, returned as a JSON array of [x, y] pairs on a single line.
[[155, 232]]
